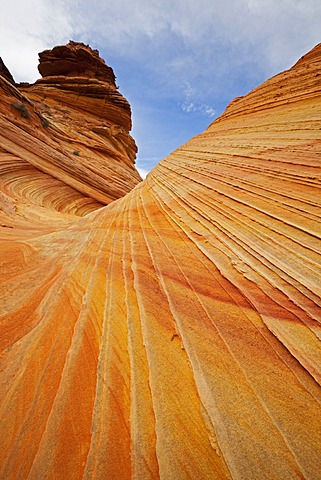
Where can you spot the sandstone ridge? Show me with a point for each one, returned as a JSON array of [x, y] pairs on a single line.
[[174, 333]]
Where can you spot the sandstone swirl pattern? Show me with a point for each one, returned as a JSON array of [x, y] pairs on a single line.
[[174, 333]]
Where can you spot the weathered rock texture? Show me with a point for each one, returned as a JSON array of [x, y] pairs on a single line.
[[174, 333]]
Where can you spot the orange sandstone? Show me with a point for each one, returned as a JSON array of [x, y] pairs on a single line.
[[174, 333]]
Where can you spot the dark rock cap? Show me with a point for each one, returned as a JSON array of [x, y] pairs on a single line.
[[74, 59]]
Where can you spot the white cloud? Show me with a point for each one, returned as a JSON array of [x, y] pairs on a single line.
[[216, 46], [188, 107], [191, 106], [125, 24], [202, 108], [208, 110], [28, 27], [181, 38], [189, 90]]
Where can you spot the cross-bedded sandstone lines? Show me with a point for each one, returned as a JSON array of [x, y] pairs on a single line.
[[174, 333]]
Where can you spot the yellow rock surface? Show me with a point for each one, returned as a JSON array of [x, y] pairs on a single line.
[[174, 333]]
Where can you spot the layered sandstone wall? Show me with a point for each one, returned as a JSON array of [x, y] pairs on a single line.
[[175, 333]]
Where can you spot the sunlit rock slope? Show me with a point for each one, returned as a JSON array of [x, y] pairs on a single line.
[[174, 333]]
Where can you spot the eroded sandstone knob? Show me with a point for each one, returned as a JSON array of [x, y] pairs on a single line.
[[72, 125], [74, 59]]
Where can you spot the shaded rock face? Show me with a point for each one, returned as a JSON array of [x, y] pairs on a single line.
[[174, 333], [4, 72]]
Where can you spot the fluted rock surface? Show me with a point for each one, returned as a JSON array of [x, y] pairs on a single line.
[[175, 333]]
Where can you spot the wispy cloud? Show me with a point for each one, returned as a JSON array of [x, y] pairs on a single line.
[[184, 39], [195, 108], [200, 31], [190, 105], [28, 27]]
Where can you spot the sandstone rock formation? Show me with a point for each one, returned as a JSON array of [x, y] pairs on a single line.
[[174, 333], [71, 125]]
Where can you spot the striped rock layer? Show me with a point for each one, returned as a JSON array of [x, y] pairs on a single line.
[[174, 333]]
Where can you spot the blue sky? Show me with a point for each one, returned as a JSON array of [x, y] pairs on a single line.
[[178, 62]]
